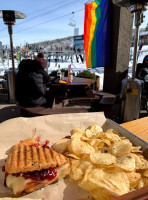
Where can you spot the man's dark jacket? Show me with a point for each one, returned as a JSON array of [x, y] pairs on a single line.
[[31, 84], [142, 74]]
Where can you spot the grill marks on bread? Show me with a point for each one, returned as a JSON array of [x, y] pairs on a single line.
[[23, 158]]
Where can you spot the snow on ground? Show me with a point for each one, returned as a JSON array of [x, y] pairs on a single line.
[[63, 65], [81, 66], [77, 67]]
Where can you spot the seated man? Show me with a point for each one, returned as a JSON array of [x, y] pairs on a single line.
[[32, 85], [142, 73]]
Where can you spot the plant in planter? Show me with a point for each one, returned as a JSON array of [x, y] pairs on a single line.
[[53, 73], [86, 74], [66, 72]]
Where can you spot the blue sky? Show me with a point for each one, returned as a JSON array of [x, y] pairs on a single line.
[[46, 20]]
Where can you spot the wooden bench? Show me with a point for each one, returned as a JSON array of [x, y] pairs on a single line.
[[89, 98], [98, 100], [80, 101], [106, 98], [106, 103], [41, 111]]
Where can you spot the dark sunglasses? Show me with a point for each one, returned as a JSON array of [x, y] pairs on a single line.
[[146, 58]]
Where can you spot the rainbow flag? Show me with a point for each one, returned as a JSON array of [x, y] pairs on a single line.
[[96, 33]]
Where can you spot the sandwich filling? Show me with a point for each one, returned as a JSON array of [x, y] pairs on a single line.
[[19, 181]]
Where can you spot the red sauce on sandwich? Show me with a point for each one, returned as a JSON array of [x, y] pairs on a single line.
[[35, 145], [44, 145], [41, 175], [68, 137]]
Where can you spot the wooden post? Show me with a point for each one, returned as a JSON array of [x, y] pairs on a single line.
[[97, 83], [120, 43]]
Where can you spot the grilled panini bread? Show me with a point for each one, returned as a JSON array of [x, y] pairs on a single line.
[[31, 167], [9, 198]]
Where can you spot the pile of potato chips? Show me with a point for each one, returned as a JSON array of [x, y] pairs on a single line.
[[104, 163]]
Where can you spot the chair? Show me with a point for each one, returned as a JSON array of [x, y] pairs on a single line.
[[144, 101], [3, 84], [140, 74]]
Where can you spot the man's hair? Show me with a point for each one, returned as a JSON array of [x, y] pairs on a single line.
[[41, 55], [28, 66], [145, 58]]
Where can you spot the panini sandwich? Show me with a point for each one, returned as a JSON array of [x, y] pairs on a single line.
[[31, 167]]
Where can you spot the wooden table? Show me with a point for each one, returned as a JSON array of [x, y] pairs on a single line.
[[74, 89], [139, 127], [81, 91], [77, 82]]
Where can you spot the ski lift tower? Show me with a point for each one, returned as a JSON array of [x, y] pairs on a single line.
[[9, 17]]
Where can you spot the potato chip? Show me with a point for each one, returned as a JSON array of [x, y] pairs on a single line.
[[122, 138], [140, 162], [113, 131], [96, 143], [105, 150], [76, 136], [62, 145], [95, 128], [104, 163], [133, 179], [71, 155], [112, 136], [78, 169], [99, 143], [126, 163], [79, 147], [145, 181], [136, 149], [77, 130], [142, 182], [74, 162], [145, 173], [116, 180], [69, 146], [121, 148], [85, 182], [112, 179], [75, 172], [88, 133], [84, 163], [84, 138], [106, 141], [102, 158]]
